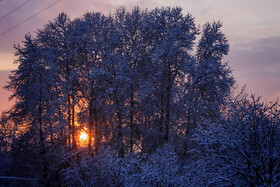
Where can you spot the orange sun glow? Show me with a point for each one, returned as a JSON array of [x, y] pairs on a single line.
[[83, 136]]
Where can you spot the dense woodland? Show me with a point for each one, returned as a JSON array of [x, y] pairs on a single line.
[[134, 98]]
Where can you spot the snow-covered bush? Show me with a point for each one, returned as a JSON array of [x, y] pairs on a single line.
[[103, 169], [162, 168], [107, 169]]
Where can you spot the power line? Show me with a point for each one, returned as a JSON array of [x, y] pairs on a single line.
[[29, 18], [14, 10]]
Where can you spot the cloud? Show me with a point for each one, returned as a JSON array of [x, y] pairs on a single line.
[[257, 64]]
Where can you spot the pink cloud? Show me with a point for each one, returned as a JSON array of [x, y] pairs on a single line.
[[5, 104], [274, 96]]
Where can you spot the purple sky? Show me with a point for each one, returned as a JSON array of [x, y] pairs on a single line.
[[252, 27]]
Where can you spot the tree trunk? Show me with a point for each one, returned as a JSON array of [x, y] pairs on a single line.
[[168, 99], [119, 132], [73, 128], [98, 135], [91, 121], [131, 119]]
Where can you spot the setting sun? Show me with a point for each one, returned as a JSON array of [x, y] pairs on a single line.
[[83, 136]]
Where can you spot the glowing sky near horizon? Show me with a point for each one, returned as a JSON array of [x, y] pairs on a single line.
[[252, 27]]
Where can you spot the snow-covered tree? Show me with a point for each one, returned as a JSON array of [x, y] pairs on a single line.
[[170, 35], [212, 79], [243, 146], [30, 85], [58, 37]]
